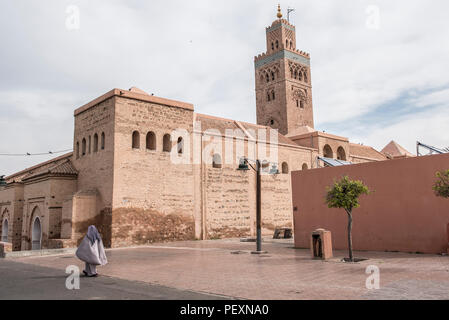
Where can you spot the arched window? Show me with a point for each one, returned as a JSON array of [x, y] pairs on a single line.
[[273, 95], [90, 142], [103, 142], [291, 45], [167, 143], [296, 74], [77, 150], [327, 152], [83, 147], [272, 46], [272, 75], [300, 76], [305, 77], [268, 97], [180, 145], [136, 140], [216, 161], [341, 154], [151, 141], [286, 43], [5, 231], [305, 166], [284, 168], [291, 72], [268, 78], [95, 142], [277, 44], [301, 104]]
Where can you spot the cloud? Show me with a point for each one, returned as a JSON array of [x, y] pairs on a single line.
[[202, 52]]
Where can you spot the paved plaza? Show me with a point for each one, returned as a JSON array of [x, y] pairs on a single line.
[[227, 269]]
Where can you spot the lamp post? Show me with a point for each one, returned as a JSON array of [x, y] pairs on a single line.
[[244, 163]]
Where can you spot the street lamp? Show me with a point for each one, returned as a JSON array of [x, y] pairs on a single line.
[[244, 166]]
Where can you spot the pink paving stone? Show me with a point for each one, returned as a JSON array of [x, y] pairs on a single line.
[[284, 273]]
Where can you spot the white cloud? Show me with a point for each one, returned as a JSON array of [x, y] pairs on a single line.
[[427, 128]]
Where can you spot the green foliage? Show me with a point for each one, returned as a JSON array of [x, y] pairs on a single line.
[[441, 187], [345, 194]]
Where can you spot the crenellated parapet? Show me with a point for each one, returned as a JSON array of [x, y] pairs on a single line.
[[298, 52]]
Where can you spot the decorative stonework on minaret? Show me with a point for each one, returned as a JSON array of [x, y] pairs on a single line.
[[283, 81]]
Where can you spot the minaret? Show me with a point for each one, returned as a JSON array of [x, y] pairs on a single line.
[[283, 81]]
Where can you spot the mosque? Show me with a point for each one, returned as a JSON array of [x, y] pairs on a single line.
[[147, 169]]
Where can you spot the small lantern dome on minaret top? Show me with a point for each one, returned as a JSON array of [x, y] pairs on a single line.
[[279, 12]]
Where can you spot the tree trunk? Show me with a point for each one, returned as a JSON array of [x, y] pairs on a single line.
[[351, 257]]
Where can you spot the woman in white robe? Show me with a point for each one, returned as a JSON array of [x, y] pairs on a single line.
[[91, 251]]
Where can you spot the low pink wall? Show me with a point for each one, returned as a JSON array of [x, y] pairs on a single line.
[[402, 214]]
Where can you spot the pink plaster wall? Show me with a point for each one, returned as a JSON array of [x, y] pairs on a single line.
[[402, 214]]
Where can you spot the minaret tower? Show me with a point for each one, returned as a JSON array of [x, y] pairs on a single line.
[[283, 81]]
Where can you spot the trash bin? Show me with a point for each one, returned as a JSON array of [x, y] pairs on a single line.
[[321, 244]]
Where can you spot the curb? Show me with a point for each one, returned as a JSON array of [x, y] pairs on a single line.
[[38, 253]]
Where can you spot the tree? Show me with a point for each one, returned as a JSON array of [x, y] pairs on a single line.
[[441, 186], [345, 195]]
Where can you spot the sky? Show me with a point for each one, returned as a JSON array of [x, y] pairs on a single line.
[[379, 68]]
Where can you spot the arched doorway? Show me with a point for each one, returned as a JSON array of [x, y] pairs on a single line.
[[36, 234], [5, 231], [305, 166]]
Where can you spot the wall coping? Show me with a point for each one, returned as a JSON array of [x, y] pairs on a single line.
[[136, 96]]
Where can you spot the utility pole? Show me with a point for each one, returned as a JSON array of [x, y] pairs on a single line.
[[258, 169], [259, 210]]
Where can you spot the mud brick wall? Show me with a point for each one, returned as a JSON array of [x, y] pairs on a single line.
[[44, 199], [11, 207], [228, 202], [276, 202], [95, 168], [230, 196], [153, 197]]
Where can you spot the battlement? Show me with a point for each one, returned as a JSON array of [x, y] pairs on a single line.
[[280, 22], [299, 52]]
